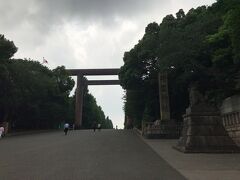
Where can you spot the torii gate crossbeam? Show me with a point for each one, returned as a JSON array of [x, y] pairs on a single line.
[[81, 83]]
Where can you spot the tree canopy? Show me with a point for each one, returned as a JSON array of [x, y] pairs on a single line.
[[200, 47], [94, 113], [35, 97]]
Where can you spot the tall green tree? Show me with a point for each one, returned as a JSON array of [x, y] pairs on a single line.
[[7, 48], [200, 47], [35, 97], [94, 113]]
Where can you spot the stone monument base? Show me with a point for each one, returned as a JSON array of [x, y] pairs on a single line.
[[203, 132], [165, 130]]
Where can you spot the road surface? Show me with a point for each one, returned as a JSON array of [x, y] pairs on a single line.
[[84, 155]]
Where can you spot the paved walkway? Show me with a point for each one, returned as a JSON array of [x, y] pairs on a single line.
[[198, 166], [105, 155]]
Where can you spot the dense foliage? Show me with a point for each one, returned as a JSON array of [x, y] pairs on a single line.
[[200, 48], [94, 113], [34, 97]]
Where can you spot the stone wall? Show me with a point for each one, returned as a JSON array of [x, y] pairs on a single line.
[[230, 111]]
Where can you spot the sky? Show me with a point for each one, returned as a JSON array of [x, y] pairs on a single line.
[[85, 34]]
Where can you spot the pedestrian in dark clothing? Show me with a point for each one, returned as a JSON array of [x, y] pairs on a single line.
[[94, 126], [66, 127]]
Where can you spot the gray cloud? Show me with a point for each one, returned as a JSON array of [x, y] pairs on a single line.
[[45, 13], [84, 33], [34, 20]]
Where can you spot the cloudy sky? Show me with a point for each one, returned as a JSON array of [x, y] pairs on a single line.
[[85, 34]]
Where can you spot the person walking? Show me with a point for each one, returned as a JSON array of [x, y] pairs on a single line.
[[99, 127], [94, 126], [1, 131], [66, 127]]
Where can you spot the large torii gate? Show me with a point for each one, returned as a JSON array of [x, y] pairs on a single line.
[[81, 83]]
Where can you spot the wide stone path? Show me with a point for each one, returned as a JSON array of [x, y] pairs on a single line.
[[106, 155]]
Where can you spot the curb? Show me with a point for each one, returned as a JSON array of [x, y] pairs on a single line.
[[137, 131], [22, 133]]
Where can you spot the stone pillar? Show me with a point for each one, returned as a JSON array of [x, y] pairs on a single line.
[[79, 102], [203, 132], [163, 96], [230, 111]]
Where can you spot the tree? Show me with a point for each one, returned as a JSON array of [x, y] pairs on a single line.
[[94, 113], [200, 47], [35, 97], [7, 48]]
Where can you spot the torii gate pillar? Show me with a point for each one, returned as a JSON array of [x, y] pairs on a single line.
[[79, 101]]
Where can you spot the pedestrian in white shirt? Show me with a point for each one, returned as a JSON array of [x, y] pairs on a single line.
[[99, 127], [1, 131], [66, 127]]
